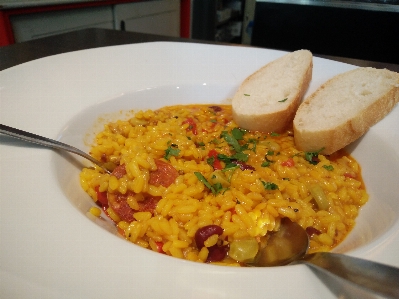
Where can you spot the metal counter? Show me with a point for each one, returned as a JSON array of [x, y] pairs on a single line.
[[376, 5]]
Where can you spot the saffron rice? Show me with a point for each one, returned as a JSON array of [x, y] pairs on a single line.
[[179, 169]]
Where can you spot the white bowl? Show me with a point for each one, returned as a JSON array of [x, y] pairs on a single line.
[[50, 248]]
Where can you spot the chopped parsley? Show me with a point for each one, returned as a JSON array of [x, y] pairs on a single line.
[[328, 167], [172, 150], [215, 188], [282, 101], [238, 133], [269, 185], [312, 157], [233, 142], [210, 160], [200, 145], [230, 166], [274, 134], [215, 141], [253, 142], [245, 94], [238, 156], [265, 164]]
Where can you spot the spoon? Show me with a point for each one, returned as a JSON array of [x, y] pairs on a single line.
[[33, 138], [289, 246]]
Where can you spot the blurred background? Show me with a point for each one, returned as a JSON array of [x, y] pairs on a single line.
[[360, 29]]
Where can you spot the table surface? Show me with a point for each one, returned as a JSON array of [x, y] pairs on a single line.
[[93, 38]]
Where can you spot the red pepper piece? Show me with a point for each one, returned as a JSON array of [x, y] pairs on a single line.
[[102, 197], [217, 165], [349, 175], [289, 163], [192, 125], [159, 247]]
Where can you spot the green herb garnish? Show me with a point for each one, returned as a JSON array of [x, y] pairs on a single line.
[[254, 142], [282, 101], [215, 188], [238, 133], [215, 141], [269, 185], [230, 166], [200, 143], [311, 157], [231, 141], [210, 160], [172, 150], [238, 156], [328, 167]]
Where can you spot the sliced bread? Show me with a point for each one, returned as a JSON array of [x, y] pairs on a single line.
[[268, 99], [344, 108]]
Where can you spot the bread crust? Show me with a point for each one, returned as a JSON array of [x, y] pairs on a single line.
[[281, 117], [339, 136]]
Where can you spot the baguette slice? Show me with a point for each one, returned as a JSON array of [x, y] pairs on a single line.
[[344, 108], [268, 99]]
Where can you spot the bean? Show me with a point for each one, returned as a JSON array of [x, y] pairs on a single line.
[[216, 108], [217, 253], [205, 232]]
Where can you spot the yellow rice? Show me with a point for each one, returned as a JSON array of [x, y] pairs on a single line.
[[244, 208]]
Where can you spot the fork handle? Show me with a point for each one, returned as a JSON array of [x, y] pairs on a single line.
[[33, 138], [375, 277]]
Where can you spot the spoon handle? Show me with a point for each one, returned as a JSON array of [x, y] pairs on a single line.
[[378, 278], [33, 138]]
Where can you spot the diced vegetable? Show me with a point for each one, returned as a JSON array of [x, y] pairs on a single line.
[[213, 160], [271, 145], [319, 196], [192, 125], [289, 163], [243, 250], [101, 197]]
